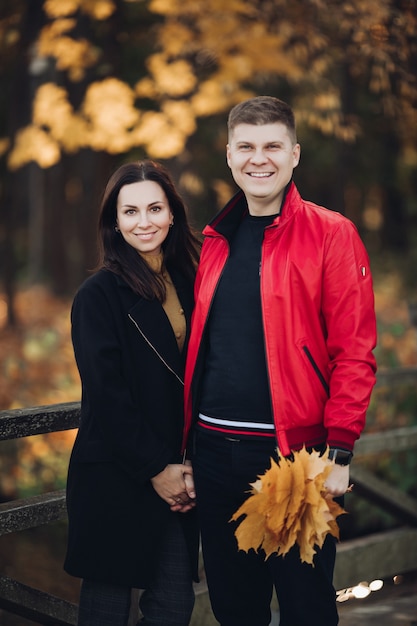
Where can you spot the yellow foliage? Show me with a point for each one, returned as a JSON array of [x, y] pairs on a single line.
[[289, 506], [51, 107], [215, 96], [173, 79], [98, 9], [74, 134], [206, 51], [176, 38], [236, 38], [223, 191], [181, 115], [60, 8], [71, 55], [52, 110], [113, 98], [161, 139], [200, 7], [33, 144], [164, 7], [192, 183], [55, 29], [327, 101], [146, 88], [108, 121], [4, 145], [110, 111]]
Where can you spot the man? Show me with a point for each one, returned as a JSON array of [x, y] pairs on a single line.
[[280, 357]]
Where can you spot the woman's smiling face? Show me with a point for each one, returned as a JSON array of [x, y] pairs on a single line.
[[144, 216]]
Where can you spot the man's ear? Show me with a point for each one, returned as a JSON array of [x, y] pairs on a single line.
[[296, 151], [228, 155]]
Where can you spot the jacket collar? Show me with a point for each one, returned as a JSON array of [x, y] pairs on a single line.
[[152, 324], [228, 219]]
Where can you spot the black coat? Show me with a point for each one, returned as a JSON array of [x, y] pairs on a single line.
[[131, 426]]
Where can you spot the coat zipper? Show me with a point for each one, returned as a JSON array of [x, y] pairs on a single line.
[[156, 351]]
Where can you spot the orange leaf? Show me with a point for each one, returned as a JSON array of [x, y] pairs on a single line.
[[289, 505]]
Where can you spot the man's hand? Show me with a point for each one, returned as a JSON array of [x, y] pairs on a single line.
[[337, 482]]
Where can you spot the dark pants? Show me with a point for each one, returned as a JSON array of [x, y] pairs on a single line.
[[168, 600], [241, 584]]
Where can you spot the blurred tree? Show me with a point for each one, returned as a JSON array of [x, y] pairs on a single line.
[[117, 79]]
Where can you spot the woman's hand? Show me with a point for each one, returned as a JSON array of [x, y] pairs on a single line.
[[337, 482], [175, 485]]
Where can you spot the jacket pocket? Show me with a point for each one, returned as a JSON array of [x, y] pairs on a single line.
[[316, 369]]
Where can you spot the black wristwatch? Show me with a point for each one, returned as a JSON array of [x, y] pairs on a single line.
[[340, 457]]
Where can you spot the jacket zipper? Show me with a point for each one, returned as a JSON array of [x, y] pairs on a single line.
[[207, 317], [278, 433], [156, 351], [316, 369]]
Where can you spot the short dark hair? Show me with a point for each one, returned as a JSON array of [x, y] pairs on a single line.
[[180, 248], [263, 110]]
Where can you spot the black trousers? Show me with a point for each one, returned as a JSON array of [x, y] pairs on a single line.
[[241, 584]]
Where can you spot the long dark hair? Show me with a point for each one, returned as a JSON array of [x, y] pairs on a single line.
[[181, 247]]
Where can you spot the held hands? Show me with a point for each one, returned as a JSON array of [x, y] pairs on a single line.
[[175, 485], [337, 482]]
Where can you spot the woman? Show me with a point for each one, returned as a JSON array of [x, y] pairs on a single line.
[[130, 497]]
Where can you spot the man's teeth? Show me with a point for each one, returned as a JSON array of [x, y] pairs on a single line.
[[260, 174]]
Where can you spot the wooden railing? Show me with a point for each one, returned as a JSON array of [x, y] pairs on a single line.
[[18, 515], [374, 556]]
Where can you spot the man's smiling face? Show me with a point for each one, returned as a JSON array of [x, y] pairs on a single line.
[[262, 159]]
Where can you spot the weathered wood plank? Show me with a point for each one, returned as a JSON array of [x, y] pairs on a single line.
[[367, 485], [381, 555], [403, 375], [36, 605], [396, 439], [30, 512], [39, 420]]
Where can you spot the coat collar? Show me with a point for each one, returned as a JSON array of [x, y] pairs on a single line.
[[151, 322]]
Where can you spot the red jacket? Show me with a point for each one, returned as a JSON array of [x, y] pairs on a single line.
[[318, 318]]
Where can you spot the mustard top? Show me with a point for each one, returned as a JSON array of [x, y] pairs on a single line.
[[171, 305]]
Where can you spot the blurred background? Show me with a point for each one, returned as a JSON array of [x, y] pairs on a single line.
[[86, 85]]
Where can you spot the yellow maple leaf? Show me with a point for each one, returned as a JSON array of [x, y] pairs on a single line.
[[289, 505]]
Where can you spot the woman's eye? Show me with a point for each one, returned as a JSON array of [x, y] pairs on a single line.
[[155, 209]]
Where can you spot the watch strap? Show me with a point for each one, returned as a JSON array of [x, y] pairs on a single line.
[[340, 457]]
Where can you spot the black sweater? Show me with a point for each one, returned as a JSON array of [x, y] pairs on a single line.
[[235, 383]]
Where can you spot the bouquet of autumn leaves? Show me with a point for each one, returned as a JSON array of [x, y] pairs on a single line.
[[289, 505]]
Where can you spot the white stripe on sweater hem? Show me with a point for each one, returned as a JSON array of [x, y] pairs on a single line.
[[235, 423]]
